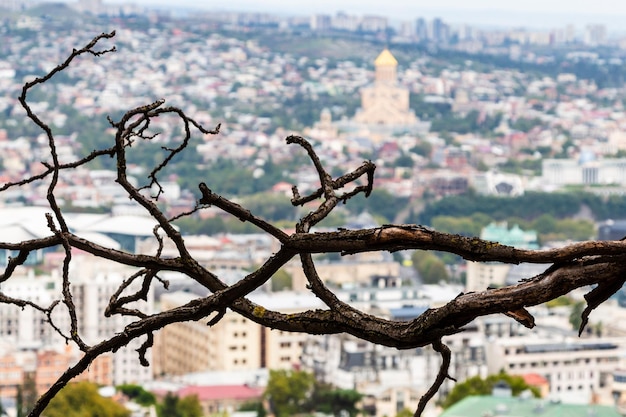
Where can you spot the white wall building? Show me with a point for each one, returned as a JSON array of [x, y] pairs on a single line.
[[94, 281], [27, 328], [559, 172], [576, 369]]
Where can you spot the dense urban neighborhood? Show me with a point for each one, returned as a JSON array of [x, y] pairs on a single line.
[[517, 136]]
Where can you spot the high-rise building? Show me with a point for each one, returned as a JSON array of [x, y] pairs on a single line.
[[595, 35], [421, 29], [93, 284], [439, 31], [320, 22]]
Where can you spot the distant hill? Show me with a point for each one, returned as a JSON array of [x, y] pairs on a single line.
[[53, 10]]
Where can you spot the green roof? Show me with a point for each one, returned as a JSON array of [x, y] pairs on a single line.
[[487, 405], [499, 232]]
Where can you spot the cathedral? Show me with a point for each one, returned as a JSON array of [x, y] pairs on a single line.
[[385, 103]]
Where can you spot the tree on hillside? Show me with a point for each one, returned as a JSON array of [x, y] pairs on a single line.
[[602, 264]]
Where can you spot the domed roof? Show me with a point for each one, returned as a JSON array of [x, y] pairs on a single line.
[[385, 58]]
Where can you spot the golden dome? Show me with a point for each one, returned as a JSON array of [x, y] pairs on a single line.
[[385, 58]]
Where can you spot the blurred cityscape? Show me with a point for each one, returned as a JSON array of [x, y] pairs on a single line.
[[516, 135]]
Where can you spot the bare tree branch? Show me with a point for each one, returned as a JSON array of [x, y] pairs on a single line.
[[568, 268], [445, 353]]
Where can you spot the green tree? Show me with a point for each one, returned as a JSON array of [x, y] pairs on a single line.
[[26, 396], [575, 316], [546, 223], [431, 268], [561, 301], [194, 225], [403, 160], [405, 412], [137, 394], [466, 226], [281, 280], [254, 406], [81, 399], [479, 386], [270, 206], [169, 406], [525, 125], [423, 148], [173, 406], [288, 391], [379, 203], [330, 400], [577, 230], [189, 406]]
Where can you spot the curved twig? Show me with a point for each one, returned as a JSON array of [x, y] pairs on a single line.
[[442, 375]]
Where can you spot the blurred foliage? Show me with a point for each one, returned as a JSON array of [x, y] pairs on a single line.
[[380, 203], [281, 280], [137, 394], [174, 406], [81, 399], [288, 391], [430, 267], [291, 392], [479, 386]]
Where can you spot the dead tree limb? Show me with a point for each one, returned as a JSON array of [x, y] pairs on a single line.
[[568, 268]]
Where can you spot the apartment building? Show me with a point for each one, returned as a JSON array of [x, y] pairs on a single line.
[[27, 328], [234, 343], [576, 369], [94, 281]]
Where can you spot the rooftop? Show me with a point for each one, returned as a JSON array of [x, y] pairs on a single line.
[[385, 59], [480, 406]]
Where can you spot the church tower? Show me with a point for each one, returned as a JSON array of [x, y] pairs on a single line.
[[385, 103], [386, 68]]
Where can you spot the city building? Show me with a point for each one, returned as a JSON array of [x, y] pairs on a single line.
[[498, 183], [578, 370], [234, 342], [390, 379], [587, 170], [612, 230], [94, 282], [222, 399]]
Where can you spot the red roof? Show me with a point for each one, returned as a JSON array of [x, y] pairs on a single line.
[[534, 380], [221, 392]]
